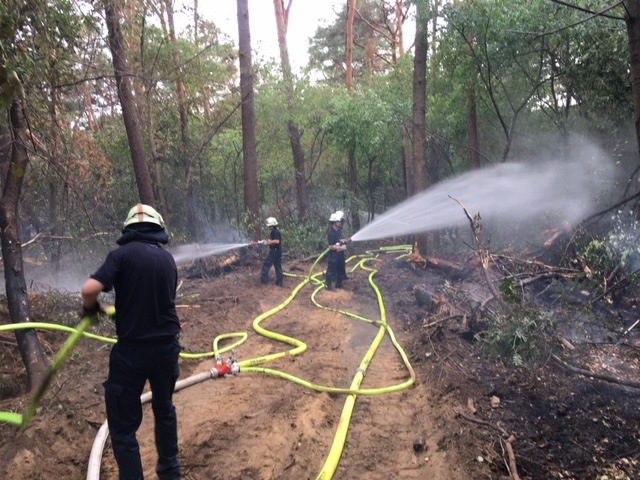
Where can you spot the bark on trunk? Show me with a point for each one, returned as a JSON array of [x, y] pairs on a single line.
[[249, 146], [420, 113], [632, 20], [128, 104], [16, 287], [187, 158], [299, 162], [351, 15], [353, 184]]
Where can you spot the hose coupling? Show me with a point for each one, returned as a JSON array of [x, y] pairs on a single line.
[[226, 368]]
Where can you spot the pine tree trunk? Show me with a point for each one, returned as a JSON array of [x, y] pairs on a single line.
[[16, 287], [249, 146], [128, 104]]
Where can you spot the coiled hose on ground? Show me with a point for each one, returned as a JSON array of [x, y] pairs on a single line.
[[249, 366]]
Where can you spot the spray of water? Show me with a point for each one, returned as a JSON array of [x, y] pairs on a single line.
[[193, 251], [511, 192]]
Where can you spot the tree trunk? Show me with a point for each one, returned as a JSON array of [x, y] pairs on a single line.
[[187, 158], [399, 36], [349, 44], [408, 160], [249, 147], [127, 102], [632, 20], [420, 110], [16, 287], [353, 185], [302, 191], [472, 128], [56, 225]]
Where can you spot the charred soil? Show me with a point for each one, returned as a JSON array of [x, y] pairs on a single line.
[[469, 415]]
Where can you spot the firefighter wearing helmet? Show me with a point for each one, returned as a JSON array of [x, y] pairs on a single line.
[[336, 251], [145, 278], [341, 273], [274, 256]]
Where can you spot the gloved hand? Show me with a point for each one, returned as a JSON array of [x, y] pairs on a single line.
[[262, 242], [92, 313], [340, 247]]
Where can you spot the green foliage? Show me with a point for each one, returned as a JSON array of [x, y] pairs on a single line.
[[304, 238], [519, 337], [610, 255], [510, 291]]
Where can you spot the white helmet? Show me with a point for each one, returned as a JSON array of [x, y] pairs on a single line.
[[340, 215], [142, 213], [271, 222], [335, 217]]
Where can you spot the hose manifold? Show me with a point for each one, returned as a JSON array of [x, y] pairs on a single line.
[[225, 369]]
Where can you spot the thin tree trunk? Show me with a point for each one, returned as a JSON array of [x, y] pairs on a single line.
[[56, 229], [632, 20], [349, 44], [399, 36], [353, 185], [187, 158], [16, 287], [127, 102], [302, 191], [408, 161], [420, 110], [249, 147], [472, 128]]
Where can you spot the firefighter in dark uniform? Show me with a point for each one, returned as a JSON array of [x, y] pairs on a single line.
[[341, 272], [145, 278], [274, 257], [335, 248]]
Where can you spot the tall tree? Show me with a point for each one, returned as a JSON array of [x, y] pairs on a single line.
[[249, 147], [188, 158], [127, 102], [419, 130], [302, 191], [472, 115], [16, 287], [632, 21]]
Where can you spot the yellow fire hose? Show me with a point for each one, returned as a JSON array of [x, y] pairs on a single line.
[[300, 347]]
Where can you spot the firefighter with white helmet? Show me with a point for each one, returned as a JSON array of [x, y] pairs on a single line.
[[145, 278], [341, 267], [274, 256], [336, 248]]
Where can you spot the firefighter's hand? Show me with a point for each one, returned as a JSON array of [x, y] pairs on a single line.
[[262, 242], [92, 312]]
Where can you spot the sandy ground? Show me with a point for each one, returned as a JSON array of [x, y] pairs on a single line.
[[258, 426]]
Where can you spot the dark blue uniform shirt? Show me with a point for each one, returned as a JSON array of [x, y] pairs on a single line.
[[149, 271]]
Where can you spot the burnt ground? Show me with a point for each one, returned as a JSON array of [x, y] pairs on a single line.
[[467, 410]]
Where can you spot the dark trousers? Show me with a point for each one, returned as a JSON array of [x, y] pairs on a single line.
[[332, 267], [273, 259], [130, 366], [341, 267]]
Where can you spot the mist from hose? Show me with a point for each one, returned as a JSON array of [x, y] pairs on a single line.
[[194, 251], [511, 192]]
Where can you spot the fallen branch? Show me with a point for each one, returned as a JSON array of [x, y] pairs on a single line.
[[513, 469], [587, 373], [442, 320], [508, 438], [481, 422]]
